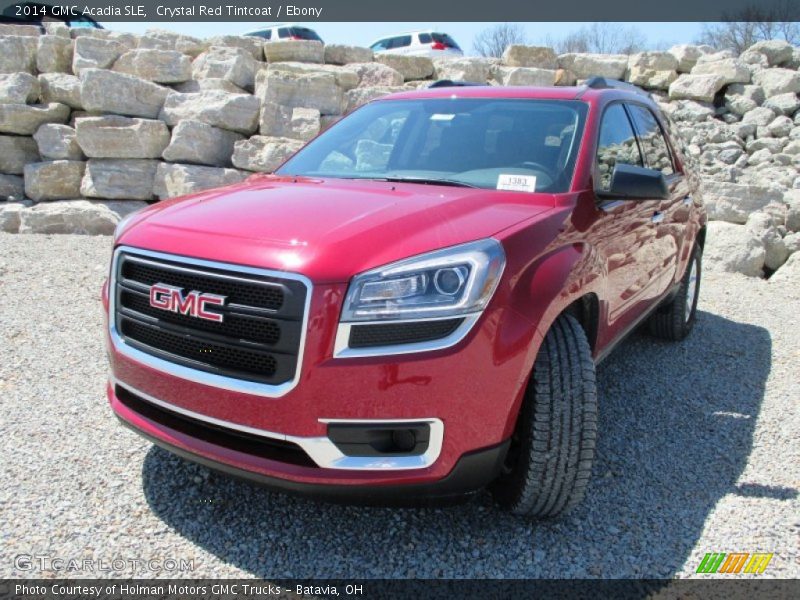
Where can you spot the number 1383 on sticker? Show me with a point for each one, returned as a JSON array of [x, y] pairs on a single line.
[[516, 183]]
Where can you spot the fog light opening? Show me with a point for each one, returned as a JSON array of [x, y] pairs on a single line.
[[404, 440]]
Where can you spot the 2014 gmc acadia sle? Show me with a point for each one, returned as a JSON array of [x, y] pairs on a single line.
[[413, 305]]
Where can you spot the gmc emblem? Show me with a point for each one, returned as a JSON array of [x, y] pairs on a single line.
[[167, 297]]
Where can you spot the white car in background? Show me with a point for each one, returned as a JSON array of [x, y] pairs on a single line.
[[432, 44], [288, 31]]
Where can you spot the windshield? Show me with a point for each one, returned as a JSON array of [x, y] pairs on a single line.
[[474, 142]]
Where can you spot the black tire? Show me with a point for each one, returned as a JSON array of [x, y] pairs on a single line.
[[550, 459], [670, 321]]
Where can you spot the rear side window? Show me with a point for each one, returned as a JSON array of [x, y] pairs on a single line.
[[425, 38], [283, 32], [654, 146], [400, 41], [617, 144], [265, 34], [445, 39]]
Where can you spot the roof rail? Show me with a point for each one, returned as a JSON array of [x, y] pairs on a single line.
[[605, 83], [450, 83]]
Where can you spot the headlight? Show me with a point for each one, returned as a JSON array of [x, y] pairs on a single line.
[[454, 281]]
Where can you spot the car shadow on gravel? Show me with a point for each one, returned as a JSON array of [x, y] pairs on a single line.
[[676, 429]]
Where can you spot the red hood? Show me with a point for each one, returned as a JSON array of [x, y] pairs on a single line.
[[328, 229]]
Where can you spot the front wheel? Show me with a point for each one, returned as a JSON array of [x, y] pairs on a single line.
[[550, 459], [675, 320]]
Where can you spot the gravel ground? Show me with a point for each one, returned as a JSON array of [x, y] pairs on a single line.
[[698, 453]]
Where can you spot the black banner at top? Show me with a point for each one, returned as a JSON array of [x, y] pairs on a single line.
[[442, 11]]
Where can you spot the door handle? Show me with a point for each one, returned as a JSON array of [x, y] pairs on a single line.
[[657, 217]]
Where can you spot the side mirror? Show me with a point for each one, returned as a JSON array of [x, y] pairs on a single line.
[[636, 183]]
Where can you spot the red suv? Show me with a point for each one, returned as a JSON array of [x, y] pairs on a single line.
[[413, 305]]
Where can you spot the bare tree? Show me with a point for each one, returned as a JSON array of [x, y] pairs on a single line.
[[743, 29], [603, 38], [492, 42]]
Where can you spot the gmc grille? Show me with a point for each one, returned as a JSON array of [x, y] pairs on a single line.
[[258, 339]]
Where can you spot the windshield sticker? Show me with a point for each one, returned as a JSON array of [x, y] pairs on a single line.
[[516, 183], [442, 117]]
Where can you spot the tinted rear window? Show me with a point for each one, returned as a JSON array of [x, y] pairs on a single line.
[[445, 39], [304, 33]]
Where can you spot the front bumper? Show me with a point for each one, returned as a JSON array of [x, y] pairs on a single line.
[[472, 471]]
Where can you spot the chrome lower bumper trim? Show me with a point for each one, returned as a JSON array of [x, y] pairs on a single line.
[[320, 449]]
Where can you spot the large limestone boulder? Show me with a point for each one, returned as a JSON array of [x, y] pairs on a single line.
[[160, 39], [10, 216], [734, 249], [340, 54], [178, 180], [15, 152], [263, 153], [652, 70], [18, 88], [760, 116], [294, 50], [783, 104], [788, 274], [121, 137], [316, 89], [410, 67], [21, 119], [594, 65], [345, 77], [289, 122], [762, 225], [119, 179], [687, 56], [62, 88], [778, 81], [54, 54], [729, 69], [56, 180], [199, 143], [476, 70], [525, 76], [361, 95], [159, 66], [777, 52], [84, 217], [235, 112], [109, 92], [740, 99], [251, 44], [540, 57], [696, 87], [221, 62], [18, 53], [376, 74], [95, 53], [733, 202], [12, 187], [58, 142]]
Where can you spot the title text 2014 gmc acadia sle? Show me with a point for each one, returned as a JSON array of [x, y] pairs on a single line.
[[412, 306]]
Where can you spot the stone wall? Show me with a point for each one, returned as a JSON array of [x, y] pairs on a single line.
[[96, 123]]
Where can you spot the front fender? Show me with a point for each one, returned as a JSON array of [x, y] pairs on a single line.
[[543, 288]]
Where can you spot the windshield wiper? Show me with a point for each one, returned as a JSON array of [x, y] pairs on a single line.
[[426, 180]]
